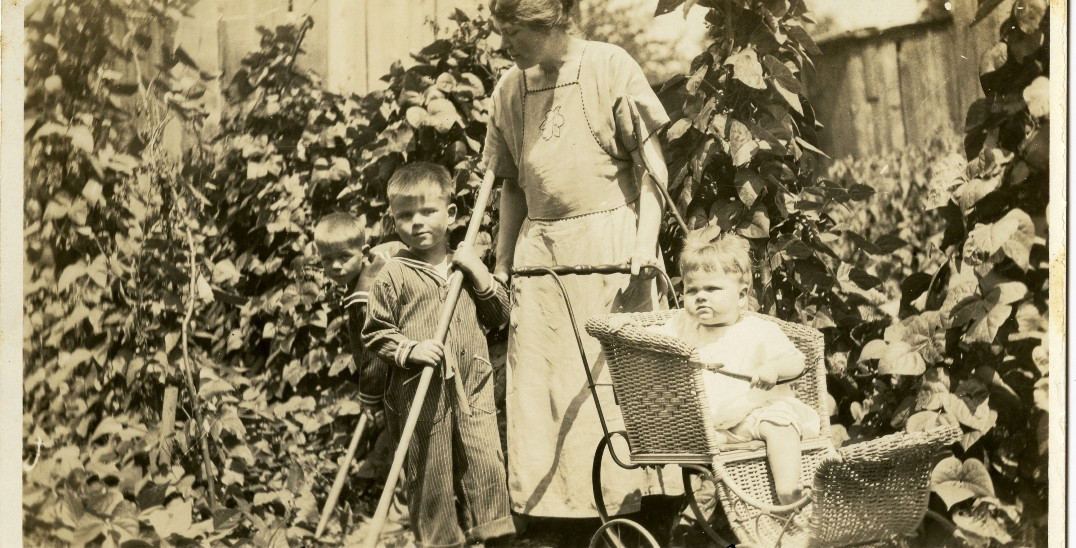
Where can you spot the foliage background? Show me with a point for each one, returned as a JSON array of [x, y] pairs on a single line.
[[142, 267]]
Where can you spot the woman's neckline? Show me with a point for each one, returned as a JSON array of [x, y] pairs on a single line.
[[537, 77]]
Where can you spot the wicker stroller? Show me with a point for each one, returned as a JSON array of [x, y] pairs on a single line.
[[867, 493]]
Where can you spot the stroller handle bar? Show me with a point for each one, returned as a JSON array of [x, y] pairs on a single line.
[[580, 269]]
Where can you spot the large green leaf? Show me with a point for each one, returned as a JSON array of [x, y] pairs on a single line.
[[749, 185], [742, 144], [174, 519], [901, 359], [955, 481], [746, 68]]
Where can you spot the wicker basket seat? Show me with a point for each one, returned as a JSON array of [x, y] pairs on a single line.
[[863, 493]]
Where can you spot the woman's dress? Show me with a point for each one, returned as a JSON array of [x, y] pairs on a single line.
[[555, 134]]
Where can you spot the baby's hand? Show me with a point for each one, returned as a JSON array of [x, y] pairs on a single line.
[[765, 378], [468, 262], [427, 353]]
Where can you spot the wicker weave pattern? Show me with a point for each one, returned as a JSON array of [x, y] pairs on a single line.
[[659, 389], [878, 488], [753, 475], [868, 492]]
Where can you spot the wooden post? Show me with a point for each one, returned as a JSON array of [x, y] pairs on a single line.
[[168, 424], [207, 463]]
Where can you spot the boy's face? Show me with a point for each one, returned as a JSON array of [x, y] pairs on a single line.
[[422, 220], [342, 261], [714, 298]]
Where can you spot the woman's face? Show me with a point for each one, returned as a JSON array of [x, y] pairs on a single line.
[[525, 45]]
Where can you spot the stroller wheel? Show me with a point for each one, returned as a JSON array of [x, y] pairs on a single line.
[[622, 533]]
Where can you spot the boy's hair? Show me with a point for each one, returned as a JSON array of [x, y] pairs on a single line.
[[418, 177], [729, 253], [340, 227]]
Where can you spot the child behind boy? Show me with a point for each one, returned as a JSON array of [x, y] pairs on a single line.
[[716, 278], [455, 447], [341, 242]]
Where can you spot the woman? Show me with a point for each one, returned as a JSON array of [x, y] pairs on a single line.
[[569, 197]]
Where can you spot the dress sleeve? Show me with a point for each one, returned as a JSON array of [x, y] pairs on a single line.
[[628, 79], [498, 132]]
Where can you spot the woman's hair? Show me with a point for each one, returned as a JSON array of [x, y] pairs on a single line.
[[729, 253], [539, 14]]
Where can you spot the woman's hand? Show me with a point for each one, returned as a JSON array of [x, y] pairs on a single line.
[[643, 264]]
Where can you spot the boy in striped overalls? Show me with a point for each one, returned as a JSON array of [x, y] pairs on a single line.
[[352, 265], [454, 459]]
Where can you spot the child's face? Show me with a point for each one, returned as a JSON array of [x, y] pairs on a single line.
[[422, 220], [342, 261], [714, 298]]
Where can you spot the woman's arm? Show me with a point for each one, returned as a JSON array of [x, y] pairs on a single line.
[[513, 211], [651, 205]]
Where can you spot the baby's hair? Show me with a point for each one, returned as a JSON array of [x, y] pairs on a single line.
[[413, 179], [539, 14], [340, 228], [729, 253]]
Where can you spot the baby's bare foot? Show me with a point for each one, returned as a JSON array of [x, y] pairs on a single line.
[[789, 497]]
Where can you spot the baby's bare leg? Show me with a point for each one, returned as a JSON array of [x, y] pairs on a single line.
[[783, 452]]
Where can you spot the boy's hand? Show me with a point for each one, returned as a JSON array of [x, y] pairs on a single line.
[[427, 353], [375, 415], [468, 262], [765, 378], [372, 264]]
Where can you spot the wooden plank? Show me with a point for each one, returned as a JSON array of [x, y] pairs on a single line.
[[315, 56], [857, 99], [970, 43], [826, 92], [421, 21], [924, 87], [346, 55], [387, 29], [448, 7], [237, 32], [198, 36], [883, 93]]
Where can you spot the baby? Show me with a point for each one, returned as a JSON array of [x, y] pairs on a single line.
[[716, 278]]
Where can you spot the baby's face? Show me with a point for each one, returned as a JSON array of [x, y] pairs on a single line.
[[714, 298]]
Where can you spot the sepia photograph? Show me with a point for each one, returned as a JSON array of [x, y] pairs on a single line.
[[319, 273]]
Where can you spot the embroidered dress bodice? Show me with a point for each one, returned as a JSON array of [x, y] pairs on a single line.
[[564, 170]]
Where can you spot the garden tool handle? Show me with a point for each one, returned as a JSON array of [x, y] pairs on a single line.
[[455, 286], [644, 157], [341, 475]]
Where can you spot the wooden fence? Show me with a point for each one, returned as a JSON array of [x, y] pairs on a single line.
[[874, 91], [351, 45], [888, 89]]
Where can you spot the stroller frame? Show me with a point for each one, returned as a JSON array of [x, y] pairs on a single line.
[[887, 478]]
